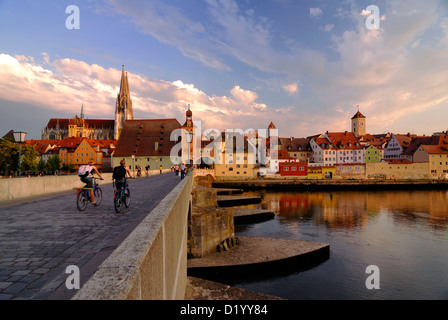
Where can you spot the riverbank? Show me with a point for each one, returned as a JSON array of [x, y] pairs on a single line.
[[339, 185]]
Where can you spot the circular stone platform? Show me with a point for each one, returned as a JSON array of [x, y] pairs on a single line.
[[254, 254]]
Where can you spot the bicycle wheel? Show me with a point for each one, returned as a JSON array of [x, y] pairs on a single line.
[[82, 201], [127, 198], [118, 203], [98, 196]]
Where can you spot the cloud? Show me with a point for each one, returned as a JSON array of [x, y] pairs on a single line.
[[170, 26], [315, 12], [74, 82], [291, 88], [327, 28], [391, 73]]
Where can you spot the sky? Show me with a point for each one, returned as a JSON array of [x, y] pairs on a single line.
[[305, 65]]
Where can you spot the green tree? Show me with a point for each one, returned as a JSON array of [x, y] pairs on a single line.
[[53, 163], [29, 155], [68, 167], [41, 164], [9, 155]]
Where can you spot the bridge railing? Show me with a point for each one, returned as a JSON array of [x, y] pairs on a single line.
[[151, 263]]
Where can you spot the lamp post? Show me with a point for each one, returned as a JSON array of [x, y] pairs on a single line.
[[19, 137], [189, 138], [133, 165]]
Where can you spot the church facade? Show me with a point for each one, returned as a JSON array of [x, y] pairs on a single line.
[[96, 129]]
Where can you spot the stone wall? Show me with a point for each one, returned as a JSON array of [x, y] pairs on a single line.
[[151, 263], [19, 188], [383, 170], [210, 228]]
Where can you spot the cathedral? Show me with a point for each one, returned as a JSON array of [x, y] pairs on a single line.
[[96, 129]]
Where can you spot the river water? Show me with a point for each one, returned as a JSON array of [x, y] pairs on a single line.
[[403, 233]]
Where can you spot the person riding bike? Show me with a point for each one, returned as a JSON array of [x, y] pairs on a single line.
[[119, 175], [86, 172]]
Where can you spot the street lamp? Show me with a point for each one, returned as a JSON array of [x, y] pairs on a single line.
[[133, 165], [19, 137], [189, 139]]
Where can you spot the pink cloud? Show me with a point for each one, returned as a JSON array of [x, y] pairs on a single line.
[[74, 82]]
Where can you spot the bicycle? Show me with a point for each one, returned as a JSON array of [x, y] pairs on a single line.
[[83, 196], [122, 196]]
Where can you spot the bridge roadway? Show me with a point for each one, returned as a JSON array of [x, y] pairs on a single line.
[[40, 237]]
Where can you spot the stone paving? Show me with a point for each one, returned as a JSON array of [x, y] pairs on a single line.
[[41, 237]]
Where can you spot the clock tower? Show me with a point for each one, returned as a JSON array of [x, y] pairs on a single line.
[[359, 124]]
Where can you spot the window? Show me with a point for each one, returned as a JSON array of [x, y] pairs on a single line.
[[294, 169], [285, 169]]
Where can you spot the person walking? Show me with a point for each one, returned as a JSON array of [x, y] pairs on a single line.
[[161, 169], [182, 171]]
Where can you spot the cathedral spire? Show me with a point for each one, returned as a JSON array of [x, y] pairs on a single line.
[[124, 86], [123, 110], [82, 110]]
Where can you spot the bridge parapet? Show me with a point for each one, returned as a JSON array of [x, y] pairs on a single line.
[[151, 263]]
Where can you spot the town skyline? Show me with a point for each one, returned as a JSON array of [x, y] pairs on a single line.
[[304, 66]]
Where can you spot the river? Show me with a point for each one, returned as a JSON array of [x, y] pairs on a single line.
[[403, 233]]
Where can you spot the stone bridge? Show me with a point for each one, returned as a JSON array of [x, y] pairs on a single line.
[[41, 236]]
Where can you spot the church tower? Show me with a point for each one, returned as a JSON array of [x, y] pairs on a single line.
[[123, 109], [188, 134], [359, 124]]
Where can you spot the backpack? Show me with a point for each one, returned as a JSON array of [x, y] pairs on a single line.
[[119, 173], [84, 170]]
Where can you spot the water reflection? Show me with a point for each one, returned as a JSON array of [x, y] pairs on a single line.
[[402, 232], [347, 210]]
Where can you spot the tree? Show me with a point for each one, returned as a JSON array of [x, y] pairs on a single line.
[[29, 155], [41, 164], [9, 155], [53, 163], [68, 167]]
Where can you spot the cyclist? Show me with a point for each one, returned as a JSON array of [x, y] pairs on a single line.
[[119, 175], [86, 172]]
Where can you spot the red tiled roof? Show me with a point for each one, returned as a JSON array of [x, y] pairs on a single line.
[[416, 142], [344, 140], [404, 139], [295, 144], [358, 115], [91, 123], [324, 143], [283, 155], [63, 123], [139, 137], [9, 135]]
